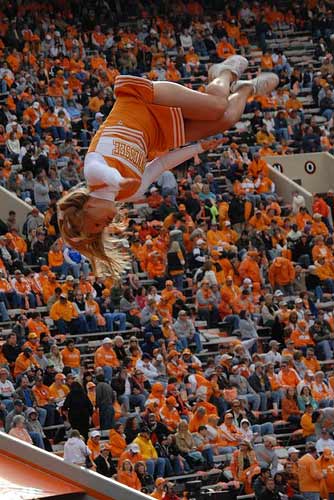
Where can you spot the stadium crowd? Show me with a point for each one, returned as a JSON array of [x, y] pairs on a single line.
[[220, 334]]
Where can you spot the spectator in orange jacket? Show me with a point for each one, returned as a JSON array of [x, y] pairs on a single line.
[[249, 268], [318, 227], [44, 400], [225, 49], [282, 274], [35, 324], [49, 287], [128, 476], [66, 317], [169, 414], [56, 260], [24, 361], [258, 166], [106, 358], [71, 357]]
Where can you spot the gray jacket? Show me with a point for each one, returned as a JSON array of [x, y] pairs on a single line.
[[104, 394], [184, 328]]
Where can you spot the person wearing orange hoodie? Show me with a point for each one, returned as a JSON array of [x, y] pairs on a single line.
[[281, 275], [259, 221], [200, 417], [106, 358], [249, 267], [257, 166], [169, 414], [117, 443], [157, 395], [126, 475]]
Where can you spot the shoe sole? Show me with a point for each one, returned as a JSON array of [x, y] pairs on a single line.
[[217, 69]]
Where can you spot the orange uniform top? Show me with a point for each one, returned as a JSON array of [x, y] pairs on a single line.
[[126, 143]]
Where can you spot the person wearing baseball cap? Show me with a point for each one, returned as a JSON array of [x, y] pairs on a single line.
[[159, 491], [32, 342], [93, 444], [273, 355], [25, 361], [171, 294], [59, 390], [105, 357]]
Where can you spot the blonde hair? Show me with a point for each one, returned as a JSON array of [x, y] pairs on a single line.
[[100, 248]]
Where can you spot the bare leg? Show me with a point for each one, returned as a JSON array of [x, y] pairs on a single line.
[[196, 105], [198, 129]]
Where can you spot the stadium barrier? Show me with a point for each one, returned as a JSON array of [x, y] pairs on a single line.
[[306, 173], [24, 467], [9, 201]]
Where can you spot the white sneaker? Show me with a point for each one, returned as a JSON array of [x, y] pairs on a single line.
[[236, 64], [262, 85]]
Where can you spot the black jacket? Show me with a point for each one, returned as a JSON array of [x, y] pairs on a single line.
[[102, 467], [236, 211], [10, 352], [256, 384]]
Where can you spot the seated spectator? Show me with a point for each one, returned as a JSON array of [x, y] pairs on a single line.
[[103, 462], [75, 450], [266, 455]]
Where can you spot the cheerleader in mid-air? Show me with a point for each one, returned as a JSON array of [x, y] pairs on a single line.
[[128, 152]]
